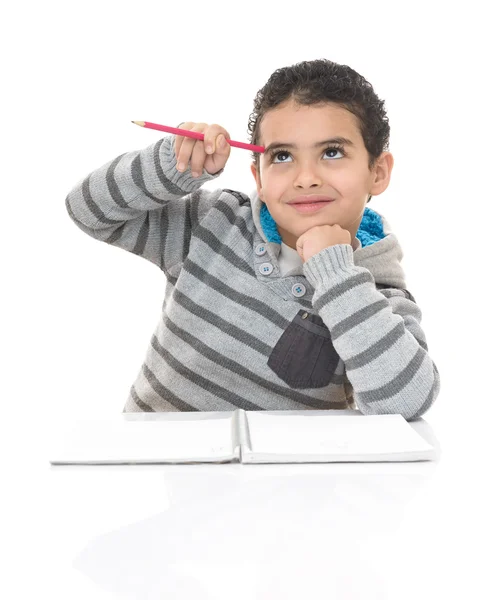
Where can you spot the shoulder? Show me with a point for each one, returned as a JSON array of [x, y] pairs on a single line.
[[389, 291], [240, 197]]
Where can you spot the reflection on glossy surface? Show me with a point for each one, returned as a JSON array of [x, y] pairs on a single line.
[[229, 530], [349, 531]]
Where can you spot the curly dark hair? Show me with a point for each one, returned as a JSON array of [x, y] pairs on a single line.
[[321, 80]]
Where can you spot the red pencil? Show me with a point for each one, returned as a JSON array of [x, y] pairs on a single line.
[[196, 135]]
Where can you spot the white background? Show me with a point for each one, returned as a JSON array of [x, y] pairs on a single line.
[[77, 314]]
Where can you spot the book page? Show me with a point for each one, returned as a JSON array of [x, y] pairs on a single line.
[[331, 435], [123, 440]]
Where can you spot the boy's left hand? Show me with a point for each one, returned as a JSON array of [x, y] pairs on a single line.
[[320, 237]]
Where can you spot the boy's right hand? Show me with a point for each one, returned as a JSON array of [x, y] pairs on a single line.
[[202, 157]]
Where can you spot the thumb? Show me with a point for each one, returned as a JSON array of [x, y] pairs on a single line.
[[216, 161], [221, 145], [299, 248]]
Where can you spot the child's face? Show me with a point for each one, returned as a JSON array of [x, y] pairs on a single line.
[[307, 169]]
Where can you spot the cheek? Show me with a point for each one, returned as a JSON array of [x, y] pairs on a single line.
[[274, 184], [353, 180]]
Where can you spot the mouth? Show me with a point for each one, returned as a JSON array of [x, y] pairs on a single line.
[[310, 204]]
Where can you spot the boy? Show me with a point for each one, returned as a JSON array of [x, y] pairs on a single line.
[[292, 298]]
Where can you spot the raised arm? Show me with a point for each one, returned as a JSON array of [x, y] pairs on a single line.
[[142, 203]]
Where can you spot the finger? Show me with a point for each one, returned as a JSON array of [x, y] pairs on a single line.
[[212, 137], [198, 157], [221, 146], [217, 161], [187, 145], [178, 139], [224, 148]]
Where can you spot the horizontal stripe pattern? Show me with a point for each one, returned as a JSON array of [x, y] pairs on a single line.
[[370, 335], [222, 319]]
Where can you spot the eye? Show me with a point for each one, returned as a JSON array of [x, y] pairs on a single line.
[[335, 149], [278, 153]]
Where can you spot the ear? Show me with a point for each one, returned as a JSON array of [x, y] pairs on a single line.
[[255, 174], [382, 171]]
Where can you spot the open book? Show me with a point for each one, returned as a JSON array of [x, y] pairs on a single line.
[[242, 436]]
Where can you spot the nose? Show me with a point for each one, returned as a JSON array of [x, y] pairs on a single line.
[[307, 176]]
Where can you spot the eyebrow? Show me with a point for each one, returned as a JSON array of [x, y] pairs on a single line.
[[335, 140]]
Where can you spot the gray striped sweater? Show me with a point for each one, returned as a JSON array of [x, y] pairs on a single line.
[[339, 331]]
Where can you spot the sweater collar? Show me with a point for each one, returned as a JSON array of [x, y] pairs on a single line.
[[378, 249]]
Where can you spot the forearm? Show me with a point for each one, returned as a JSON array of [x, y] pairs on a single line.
[[387, 365], [142, 204], [134, 182]]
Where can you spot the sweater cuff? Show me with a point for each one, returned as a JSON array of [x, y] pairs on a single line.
[[185, 181], [329, 263]]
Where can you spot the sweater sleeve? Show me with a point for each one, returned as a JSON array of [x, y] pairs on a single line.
[[377, 335], [140, 202]]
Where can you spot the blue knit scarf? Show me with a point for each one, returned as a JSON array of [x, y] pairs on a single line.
[[369, 232]]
